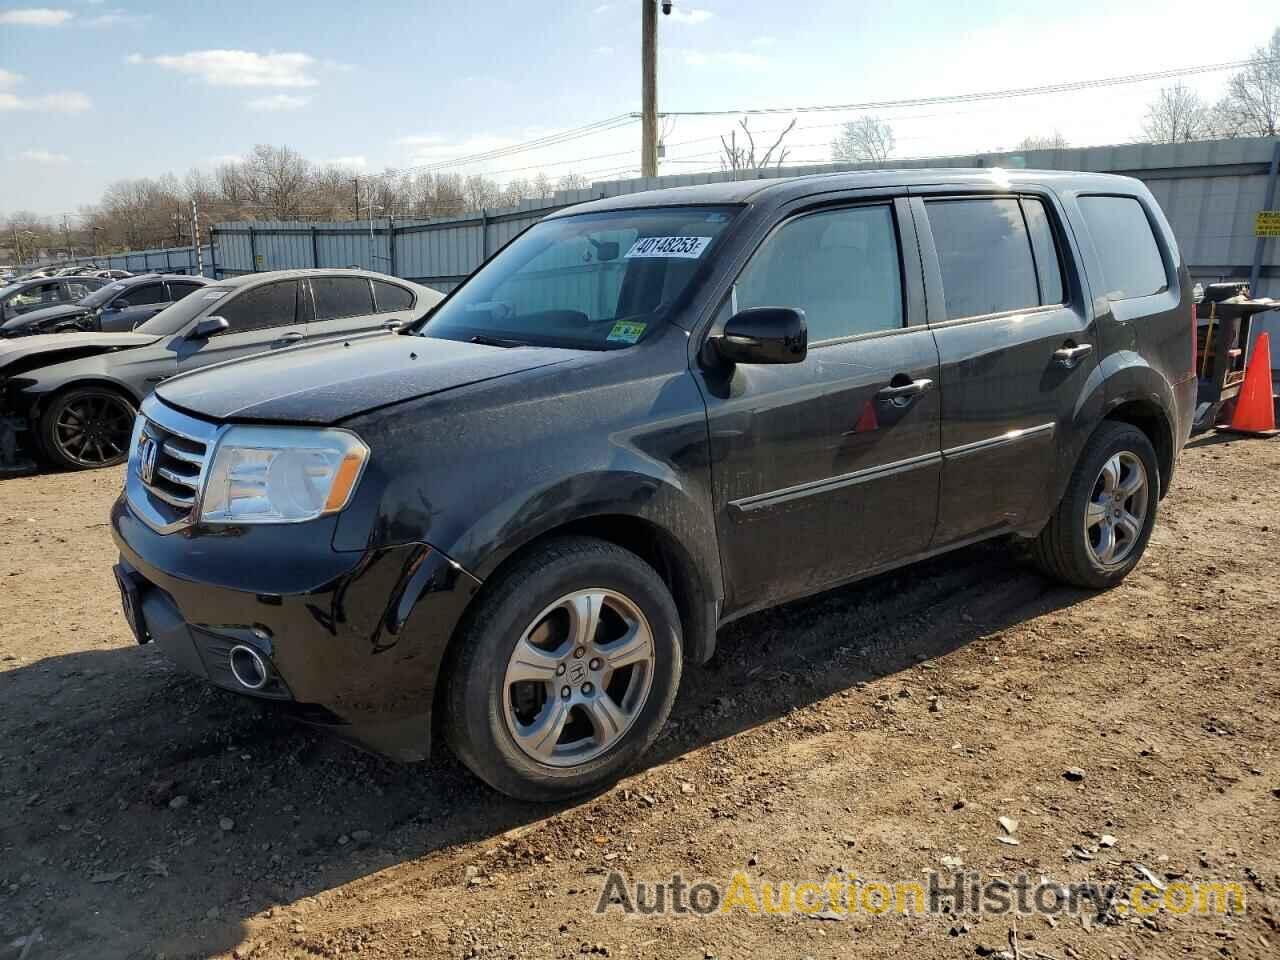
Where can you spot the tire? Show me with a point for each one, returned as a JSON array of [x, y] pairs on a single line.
[[535, 606], [108, 413], [1073, 547]]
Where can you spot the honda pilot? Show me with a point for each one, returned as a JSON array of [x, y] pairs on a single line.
[[513, 523]]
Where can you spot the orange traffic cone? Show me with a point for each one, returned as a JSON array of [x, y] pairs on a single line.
[[1255, 411]]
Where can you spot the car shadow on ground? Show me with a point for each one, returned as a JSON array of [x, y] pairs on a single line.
[[142, 811]]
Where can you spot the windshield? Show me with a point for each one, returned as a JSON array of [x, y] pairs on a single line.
[[102, 295], [172, 319], [596, 281]]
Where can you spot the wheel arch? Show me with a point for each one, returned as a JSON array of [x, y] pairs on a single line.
[[1148, 416]]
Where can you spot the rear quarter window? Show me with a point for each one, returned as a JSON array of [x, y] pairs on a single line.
[[1127, 251]]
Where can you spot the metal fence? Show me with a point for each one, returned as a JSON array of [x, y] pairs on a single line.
[[160, 260], [1210, 190]]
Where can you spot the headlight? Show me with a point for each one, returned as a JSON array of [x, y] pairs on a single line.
[[281, 474]]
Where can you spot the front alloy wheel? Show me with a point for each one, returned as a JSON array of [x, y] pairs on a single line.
[[87, 428], [565, 670], [578, 677]]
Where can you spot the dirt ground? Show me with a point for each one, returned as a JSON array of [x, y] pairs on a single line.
[[874, 730]]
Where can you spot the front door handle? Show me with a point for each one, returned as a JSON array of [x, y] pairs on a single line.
[[904, 394], [1070, 356], [393, 325], [291, 337]]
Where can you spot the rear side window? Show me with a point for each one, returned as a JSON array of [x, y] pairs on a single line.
[[338, 297], [179, 290], [840, 267], [391, 297], [272, 305], [1048, 263], [1131, 261], [146, 293], [984, 252]]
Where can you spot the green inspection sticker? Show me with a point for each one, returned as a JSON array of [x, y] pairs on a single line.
[[624, 332]]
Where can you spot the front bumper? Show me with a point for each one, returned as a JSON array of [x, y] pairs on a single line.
[[352, 640]]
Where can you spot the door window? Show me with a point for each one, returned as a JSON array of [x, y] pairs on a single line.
[[984, 252], [1131, 261], [841, 267], [179, 290], [338, 297], [271, 305], [391, 297], [1048, 262], [40, 295], [144, 295]]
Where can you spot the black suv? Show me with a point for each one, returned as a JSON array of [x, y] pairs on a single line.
[[646, 417]]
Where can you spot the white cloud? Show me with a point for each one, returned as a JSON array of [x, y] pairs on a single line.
[[36, 17], [44, 157], [115, 17], [9, 79], [224, 159], [691, 16], [605, 51], [69, 102], [727, 58], [359, 162], [277, 102], [237, 68]]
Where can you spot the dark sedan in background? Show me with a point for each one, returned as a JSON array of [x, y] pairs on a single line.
[[76, 394], [115, 308], [24, 296]]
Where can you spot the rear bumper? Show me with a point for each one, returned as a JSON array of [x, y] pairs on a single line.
[[358, 650]]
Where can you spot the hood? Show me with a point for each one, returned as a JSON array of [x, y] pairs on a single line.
[[24, 324], [331, 381], [47, 348]]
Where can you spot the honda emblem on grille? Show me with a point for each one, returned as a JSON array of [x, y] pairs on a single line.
[[147, 451]]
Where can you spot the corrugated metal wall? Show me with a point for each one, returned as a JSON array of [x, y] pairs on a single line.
[[163, 260]]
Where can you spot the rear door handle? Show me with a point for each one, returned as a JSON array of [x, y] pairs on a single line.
[[1070, 356], [905, 393], [393, 325], [291, 337]]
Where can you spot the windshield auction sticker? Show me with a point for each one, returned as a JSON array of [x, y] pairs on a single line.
[[626, 332], [684, 248]]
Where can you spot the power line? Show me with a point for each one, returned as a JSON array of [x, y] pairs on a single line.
[[1006, 94], [550, 140]]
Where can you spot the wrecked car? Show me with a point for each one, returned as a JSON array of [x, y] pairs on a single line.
[[116, 308], [71, 398]]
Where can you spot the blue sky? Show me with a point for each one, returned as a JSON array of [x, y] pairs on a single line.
[[92, 92]]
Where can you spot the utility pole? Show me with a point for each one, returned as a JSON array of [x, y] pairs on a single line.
[[66, 235], [649, 87], [356, 183], [195, 237], [97, 247]]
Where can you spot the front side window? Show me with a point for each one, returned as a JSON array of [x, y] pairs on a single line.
[[984, 253], [338, 297], [40, 295], [1131, 261], [840, 267], [179, 290], [594, 281], [176, 317], [261, 308]]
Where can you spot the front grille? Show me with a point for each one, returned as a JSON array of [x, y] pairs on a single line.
[[167, 496]]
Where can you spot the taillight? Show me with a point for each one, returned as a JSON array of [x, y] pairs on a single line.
[[1195, 341]]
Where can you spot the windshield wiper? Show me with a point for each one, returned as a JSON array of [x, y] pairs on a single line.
[[497, 341]]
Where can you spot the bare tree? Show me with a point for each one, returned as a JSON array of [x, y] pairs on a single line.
[[735, 156], [542, 186], [1176, 115], [1051, 141], [572, 181], [866, 139], [1251, 107]]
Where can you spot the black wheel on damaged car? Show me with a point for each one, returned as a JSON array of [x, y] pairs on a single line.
[[1100, 529], [87, 427], [567, 671]]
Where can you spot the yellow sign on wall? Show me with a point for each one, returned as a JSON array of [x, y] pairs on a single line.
[[1267, 223]]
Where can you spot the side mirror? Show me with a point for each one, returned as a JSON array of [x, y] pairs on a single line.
[[764, 335], [208, 327], [120, 304]]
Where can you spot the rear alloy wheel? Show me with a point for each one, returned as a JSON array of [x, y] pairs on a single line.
[[87, 427], [1100, 528], [565, 672]]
